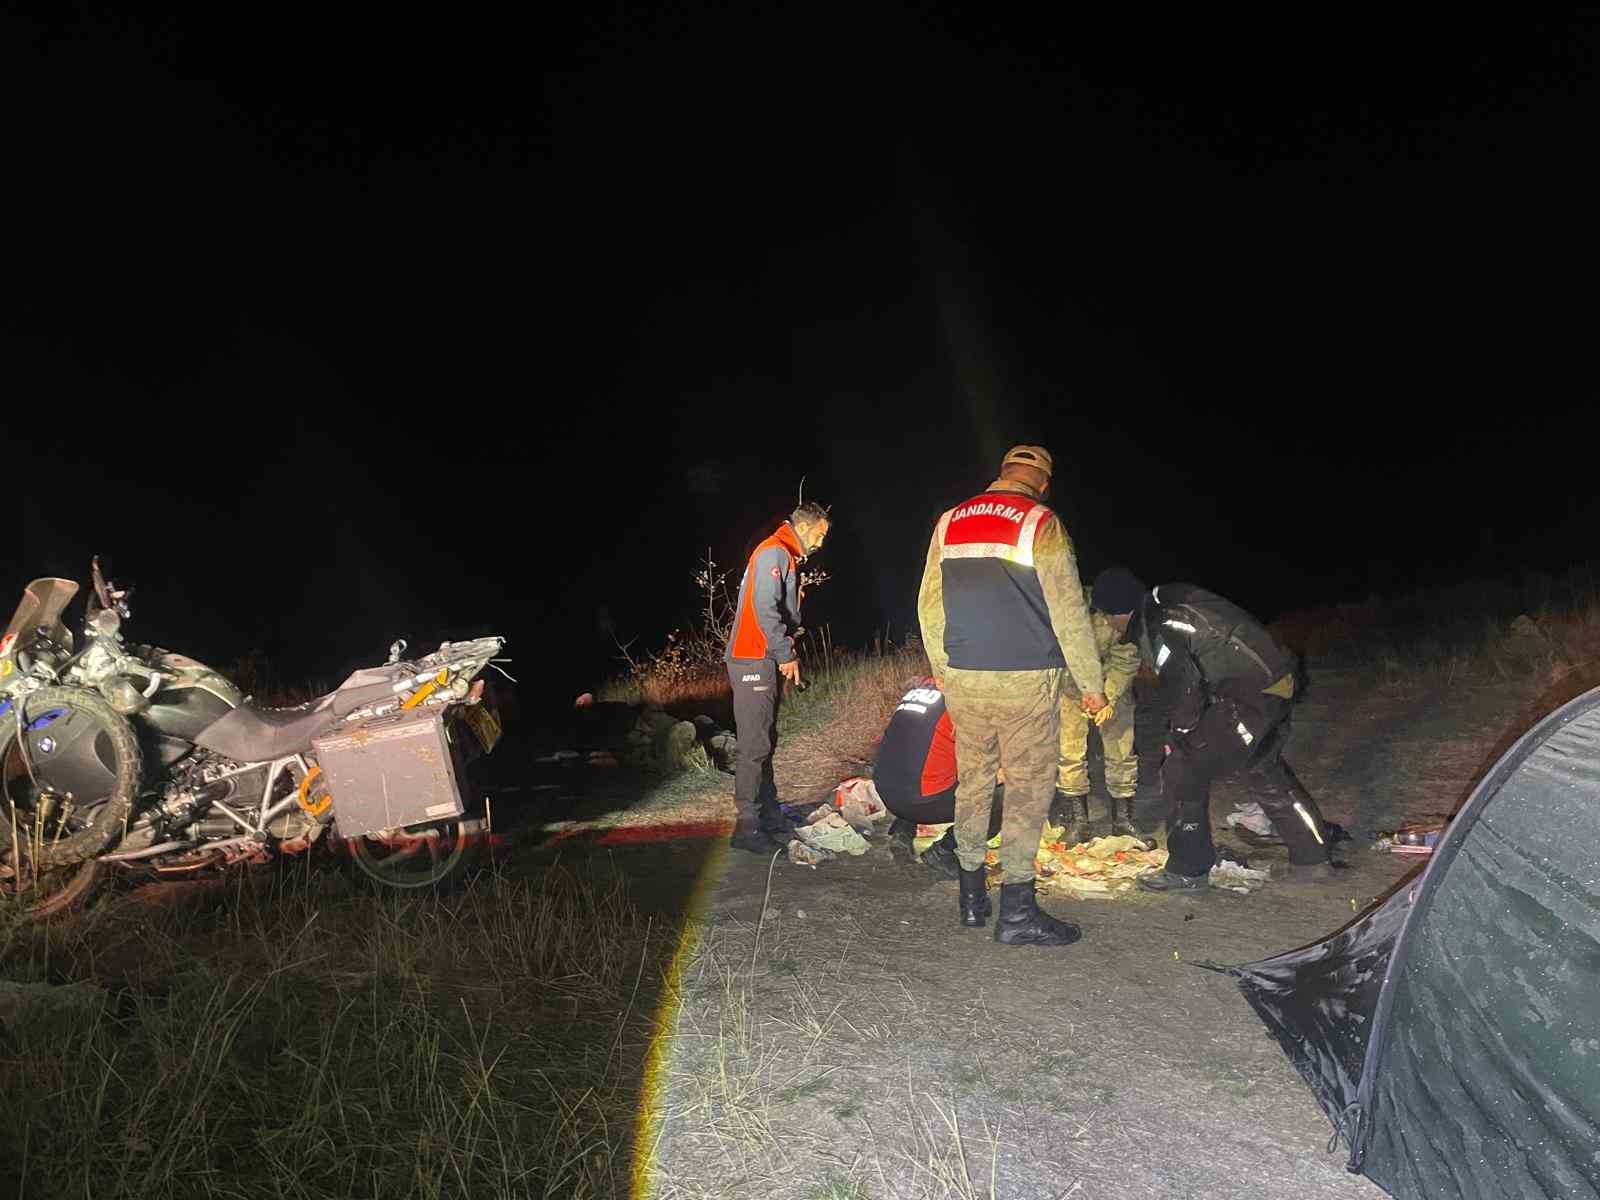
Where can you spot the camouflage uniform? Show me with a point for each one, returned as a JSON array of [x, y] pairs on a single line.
[[1010, 719], [1120, 662]]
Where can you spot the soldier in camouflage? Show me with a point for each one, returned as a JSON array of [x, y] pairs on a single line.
[[1119, 662], [1005, 624]]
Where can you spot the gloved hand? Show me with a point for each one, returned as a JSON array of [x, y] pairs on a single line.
[[1100, 715]]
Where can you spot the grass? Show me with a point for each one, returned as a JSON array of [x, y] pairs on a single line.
[[300, 1043], [1472, 633], [841, 1187]]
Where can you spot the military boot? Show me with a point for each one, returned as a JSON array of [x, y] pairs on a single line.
[[1022, 924], [1122, 818], [974, 898], [941, 857], [1072, 812], [903, 840]]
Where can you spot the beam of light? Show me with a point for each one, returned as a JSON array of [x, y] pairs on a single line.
[[965, 341], [649, 1119], [958, 298]]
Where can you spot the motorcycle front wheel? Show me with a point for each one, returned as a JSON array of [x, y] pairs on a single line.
[[435, 855], [70, 768], [52, 891]]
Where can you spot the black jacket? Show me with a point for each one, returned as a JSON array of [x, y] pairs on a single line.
[[1196, 641]]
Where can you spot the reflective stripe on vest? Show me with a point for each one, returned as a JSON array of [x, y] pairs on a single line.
[[985, 528]]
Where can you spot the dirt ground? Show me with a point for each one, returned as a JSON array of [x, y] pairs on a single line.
[[832, 1032]]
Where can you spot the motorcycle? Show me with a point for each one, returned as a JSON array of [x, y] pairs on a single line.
[[125, 756]]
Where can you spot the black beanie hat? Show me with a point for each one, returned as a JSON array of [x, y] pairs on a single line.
[[1117, 590]]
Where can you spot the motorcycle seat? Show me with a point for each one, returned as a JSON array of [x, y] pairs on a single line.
[[250, 734]]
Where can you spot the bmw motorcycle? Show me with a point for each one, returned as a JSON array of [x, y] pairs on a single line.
[[114, 755]]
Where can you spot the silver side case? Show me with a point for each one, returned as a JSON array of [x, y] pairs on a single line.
[[390, 771]]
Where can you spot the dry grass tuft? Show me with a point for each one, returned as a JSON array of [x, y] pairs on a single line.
[[831, 729]]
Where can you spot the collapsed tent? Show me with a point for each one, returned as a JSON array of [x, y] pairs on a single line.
[[1452, 1032]]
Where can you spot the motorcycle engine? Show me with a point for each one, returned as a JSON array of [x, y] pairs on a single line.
[[293, 823], [209, 784]]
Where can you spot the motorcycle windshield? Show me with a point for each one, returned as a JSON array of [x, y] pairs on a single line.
[[43, 602]]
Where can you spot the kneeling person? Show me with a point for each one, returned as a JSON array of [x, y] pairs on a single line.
[[915, 773], [1231, 687]]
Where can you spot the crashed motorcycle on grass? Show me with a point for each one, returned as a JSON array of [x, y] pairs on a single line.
[[122, 756]]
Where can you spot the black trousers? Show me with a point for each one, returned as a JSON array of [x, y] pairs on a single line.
[[1241, 729], [937, 809], [757, 691]]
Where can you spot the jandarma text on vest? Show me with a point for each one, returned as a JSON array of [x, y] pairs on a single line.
[[989, 509]]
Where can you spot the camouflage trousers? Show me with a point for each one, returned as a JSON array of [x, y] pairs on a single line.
[[1116, 739], [1010, 720]]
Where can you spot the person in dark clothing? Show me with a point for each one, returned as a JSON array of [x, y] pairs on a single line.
[[915, 774], [601, 724], [760, 656], [1228, 688]]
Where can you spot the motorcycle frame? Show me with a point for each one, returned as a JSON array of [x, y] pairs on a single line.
[[255, 835]]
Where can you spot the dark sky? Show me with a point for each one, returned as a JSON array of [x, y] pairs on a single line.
[[327, 330]]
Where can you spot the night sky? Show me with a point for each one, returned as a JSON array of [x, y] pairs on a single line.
[[325, 332]]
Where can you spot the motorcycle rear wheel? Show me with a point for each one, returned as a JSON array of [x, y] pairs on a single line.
[[96, 745], [421, 862]]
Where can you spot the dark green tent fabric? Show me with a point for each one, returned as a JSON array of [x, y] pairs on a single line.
[[1319, 1001], [1452, 1033]]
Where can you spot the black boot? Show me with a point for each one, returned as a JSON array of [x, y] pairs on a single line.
[[974, 898], [1060, 809], [755, 839], [1022, 924], [902, 841], [1072, 812], [769, 815], [1172, 884], [1122, 818], [941, 857]]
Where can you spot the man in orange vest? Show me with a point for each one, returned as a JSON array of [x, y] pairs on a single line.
[[760, 656], [1004, 622]]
